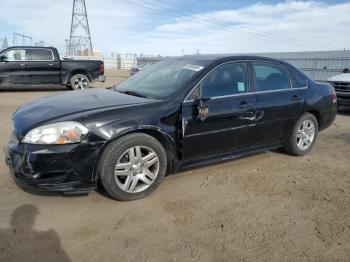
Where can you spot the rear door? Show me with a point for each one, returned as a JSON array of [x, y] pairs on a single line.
[[42, 66], [278, 105], [13, 69], [218, 115]]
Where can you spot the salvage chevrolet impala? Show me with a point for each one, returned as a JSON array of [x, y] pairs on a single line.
[[173, 115]]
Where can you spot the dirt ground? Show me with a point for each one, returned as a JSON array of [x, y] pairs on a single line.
[[267, 207]]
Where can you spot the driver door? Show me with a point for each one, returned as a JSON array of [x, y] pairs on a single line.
[[217, 117], [13, 69]]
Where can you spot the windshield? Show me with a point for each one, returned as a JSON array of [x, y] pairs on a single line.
[[161, 79]]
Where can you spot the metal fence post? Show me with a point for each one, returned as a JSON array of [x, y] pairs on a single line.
[[315, 67]]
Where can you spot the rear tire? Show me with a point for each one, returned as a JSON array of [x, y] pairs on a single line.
[[303, 136], [79, 81], [122, 170]]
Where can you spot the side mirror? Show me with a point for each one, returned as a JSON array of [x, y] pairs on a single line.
[[202, 108], [3, 58]]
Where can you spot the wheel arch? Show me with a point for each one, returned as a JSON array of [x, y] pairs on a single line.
[[318, 116], [78, 71], [165, 139]]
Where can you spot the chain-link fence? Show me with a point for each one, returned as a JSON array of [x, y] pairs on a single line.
[[319, 65]]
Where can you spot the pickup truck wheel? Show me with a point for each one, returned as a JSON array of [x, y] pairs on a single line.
[[304, 135], [79, 81], [132, 167]]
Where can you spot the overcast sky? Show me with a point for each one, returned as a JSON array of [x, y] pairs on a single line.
[[166, 27]]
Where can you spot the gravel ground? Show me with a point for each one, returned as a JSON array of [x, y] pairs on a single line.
[[267, 207]]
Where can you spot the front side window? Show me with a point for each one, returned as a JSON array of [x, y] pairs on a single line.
[[15, 55], [270, 77], [227, 79]]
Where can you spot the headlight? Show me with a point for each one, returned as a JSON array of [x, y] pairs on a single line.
[[57, 133]]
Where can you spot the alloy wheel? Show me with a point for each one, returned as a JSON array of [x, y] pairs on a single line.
[[305, 134], [136, 169], [80, 83]]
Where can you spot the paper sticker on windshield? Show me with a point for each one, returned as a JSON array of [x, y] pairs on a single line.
[[193, 67], [241, 87]]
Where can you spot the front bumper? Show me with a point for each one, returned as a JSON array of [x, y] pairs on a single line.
[[64, 168], [343, 98]]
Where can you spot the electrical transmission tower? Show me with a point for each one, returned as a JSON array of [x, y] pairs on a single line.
[[80, 38]]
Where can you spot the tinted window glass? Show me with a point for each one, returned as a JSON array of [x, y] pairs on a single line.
[[39, 54], [15, 55], [270, 77], [227, 79], [298, 80]]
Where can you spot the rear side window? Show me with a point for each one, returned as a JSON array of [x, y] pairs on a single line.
[[270, 77], [299, 81], [227, 79], [38, 54]]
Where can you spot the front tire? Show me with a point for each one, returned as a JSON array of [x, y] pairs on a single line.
[[132, 167], [79, 81], [303, 136]]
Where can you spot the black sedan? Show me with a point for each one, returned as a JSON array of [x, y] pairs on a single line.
[[175, 114]]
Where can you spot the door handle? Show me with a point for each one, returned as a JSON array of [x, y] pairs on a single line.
[[22, 64], [296, 98], [248, 115], [51, 64], [244, 104]]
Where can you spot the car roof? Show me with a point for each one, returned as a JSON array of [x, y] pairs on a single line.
[[222, 58], [25, 47], [215, 57]]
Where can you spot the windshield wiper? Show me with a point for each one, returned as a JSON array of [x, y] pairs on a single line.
[[132, 93]]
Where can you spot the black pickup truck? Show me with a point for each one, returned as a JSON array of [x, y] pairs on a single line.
[[27, 66]]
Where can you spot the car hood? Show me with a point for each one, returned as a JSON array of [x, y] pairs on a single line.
[[49, 108], [340, 78]]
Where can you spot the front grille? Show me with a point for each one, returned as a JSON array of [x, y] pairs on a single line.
[[341, 86]]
